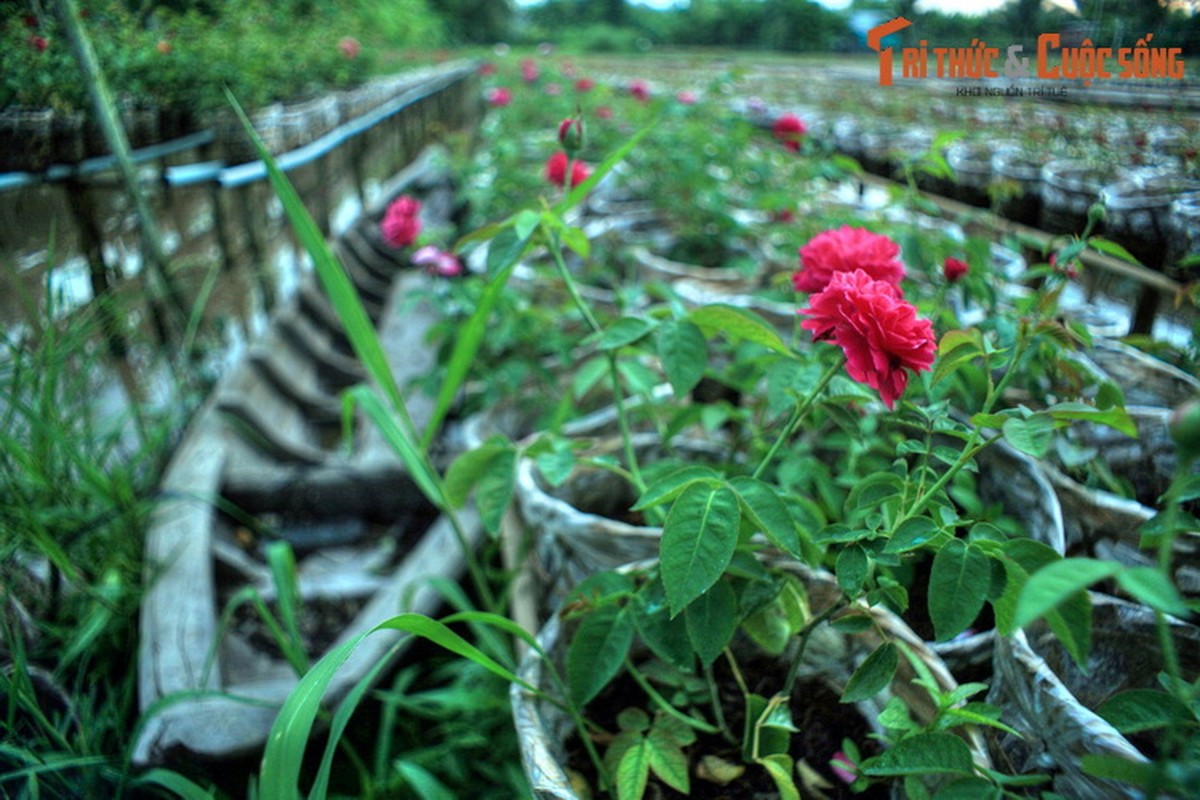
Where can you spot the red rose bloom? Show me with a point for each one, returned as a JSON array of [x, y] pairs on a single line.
[[954, 269], [556, 170], [877, 329], [402, 222], [640, 91], [584, 85], [789, 130], [499, 96], [843, 250]]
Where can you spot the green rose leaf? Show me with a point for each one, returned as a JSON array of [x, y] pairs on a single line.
[[711, 620], [767, 511], [922, 754], [1031, 435], [698, 541], [873, 674], [1055, 583], [958, 586], [683, 352], [1140, 710], [633, 772], [598, 650], [624, 331], [739, 324]]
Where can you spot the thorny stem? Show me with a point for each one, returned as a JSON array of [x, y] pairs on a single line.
[[1173, 739], [579, 303], [798, 414], [805, 632], [715, 699], [973, 445], [664, 704]]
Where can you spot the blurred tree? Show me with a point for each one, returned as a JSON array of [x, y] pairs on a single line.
[[1023, 18], [475, 22]]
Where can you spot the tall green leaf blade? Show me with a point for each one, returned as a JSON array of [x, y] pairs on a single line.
[[470, 337], [671, 485], [958, 584], [577, 193], [698, 540], [337, 284], [410, 454], [283, 756]]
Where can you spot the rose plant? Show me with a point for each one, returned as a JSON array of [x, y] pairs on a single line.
[[719, 591]]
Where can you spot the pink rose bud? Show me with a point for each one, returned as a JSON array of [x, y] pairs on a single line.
[[843, 767], [570, 134], [954, 269]]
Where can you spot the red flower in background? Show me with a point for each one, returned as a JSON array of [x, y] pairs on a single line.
[[556, 170], [640, 91], [584, 85], [349, 46], [487, 68], [845, 249], [39, 43], [789, 130], [401, 222], [529, 70], [954, 269], [686, 97], [437, 261], [877, 329], [603, 112], [499, 96]]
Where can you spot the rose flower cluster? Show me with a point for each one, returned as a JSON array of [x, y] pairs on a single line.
[[855, 301]]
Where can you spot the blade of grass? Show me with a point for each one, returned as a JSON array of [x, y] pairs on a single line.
[[286, 743], [338, 286], [466, 346], [173, 782], [473, 331], [342, 718], [283, 572]]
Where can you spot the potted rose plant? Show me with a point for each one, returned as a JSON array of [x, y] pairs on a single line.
[[746, 565]]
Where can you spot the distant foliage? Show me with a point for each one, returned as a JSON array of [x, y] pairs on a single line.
[[181, 53]]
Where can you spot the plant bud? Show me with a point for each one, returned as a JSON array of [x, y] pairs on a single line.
[[570, 134], [1184, 427]]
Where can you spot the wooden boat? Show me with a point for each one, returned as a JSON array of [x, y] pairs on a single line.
[[263, 463]]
